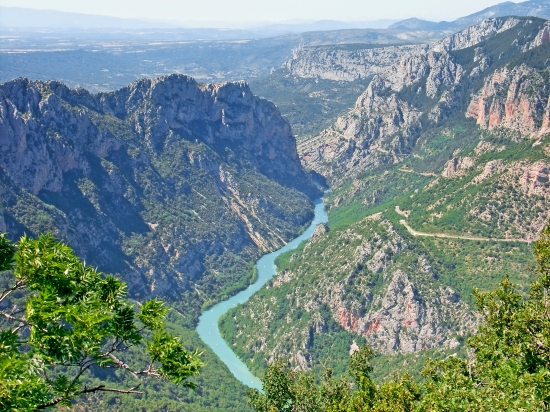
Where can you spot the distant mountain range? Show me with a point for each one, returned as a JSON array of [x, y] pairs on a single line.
[[325, 25], [25, 18], [537, 8], [18, 17]]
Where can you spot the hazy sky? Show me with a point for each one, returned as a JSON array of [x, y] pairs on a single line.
[[264, 10]]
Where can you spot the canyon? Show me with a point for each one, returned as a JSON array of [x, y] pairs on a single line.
[[435, 145], [453, 137], [153, 180]]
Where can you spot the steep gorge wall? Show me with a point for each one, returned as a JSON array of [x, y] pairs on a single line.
[[422, 90], [516, 99], [332, 63], [165, 181]]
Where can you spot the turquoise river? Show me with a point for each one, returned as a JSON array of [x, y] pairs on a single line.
[[208, 322]]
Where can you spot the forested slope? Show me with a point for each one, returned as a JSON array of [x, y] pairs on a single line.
[[453, 141]]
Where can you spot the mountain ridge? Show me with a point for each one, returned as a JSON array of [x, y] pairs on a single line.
[[154, 180], [434, 75], [534, 8]]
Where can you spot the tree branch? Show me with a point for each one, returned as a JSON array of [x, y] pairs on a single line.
[[150, 371], [13, 318], [20, 284], [100, 388], [122, 365]]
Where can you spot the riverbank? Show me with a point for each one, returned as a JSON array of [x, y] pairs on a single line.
[[265, 267]]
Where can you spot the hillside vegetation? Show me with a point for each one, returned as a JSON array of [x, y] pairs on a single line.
[[174, 186], [506, 366], [453, 147]]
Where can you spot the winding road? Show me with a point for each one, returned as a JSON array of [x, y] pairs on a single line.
[[447, 236]]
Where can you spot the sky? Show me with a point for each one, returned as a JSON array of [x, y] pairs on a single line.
[[263, 10]]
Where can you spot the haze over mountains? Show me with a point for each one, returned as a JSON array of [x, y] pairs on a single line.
[[119, 51], [537, 8], [17, 18], [25, 18]]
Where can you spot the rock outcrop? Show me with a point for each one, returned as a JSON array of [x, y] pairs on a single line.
[[166, 181], [434, 84], [341, 64], [476, 34], [456, 165], [384, 123], [516, 99]]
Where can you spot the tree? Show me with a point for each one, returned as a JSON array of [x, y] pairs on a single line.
[[285, 389], [74, 319], [509, 363]]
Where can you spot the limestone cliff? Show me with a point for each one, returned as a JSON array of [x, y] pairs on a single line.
[[343, 64], [490, 61], [175, 185], [516, 99], [384, 124], [349, 63]]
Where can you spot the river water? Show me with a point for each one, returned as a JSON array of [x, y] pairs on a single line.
[[208, 322]]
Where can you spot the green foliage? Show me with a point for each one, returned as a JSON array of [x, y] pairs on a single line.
[[359, 364], [75, 320], [177, 362], [286, 389], [309, 105], [507, 367], [217, 389], [7, 251]]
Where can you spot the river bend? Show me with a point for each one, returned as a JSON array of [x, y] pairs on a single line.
[[208, 322]]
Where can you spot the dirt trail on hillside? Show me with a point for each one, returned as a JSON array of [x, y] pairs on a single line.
[[446, 236]]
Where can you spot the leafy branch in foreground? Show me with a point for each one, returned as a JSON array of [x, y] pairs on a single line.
[[74, 320], [508, 367]]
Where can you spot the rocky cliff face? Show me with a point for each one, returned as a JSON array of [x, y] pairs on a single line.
[[538, 8], [516, 99], [165, 181], [476, 34], [423, 90], [156, 109], [343, 63], [340, 64], [384, 124], [362, 283]]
